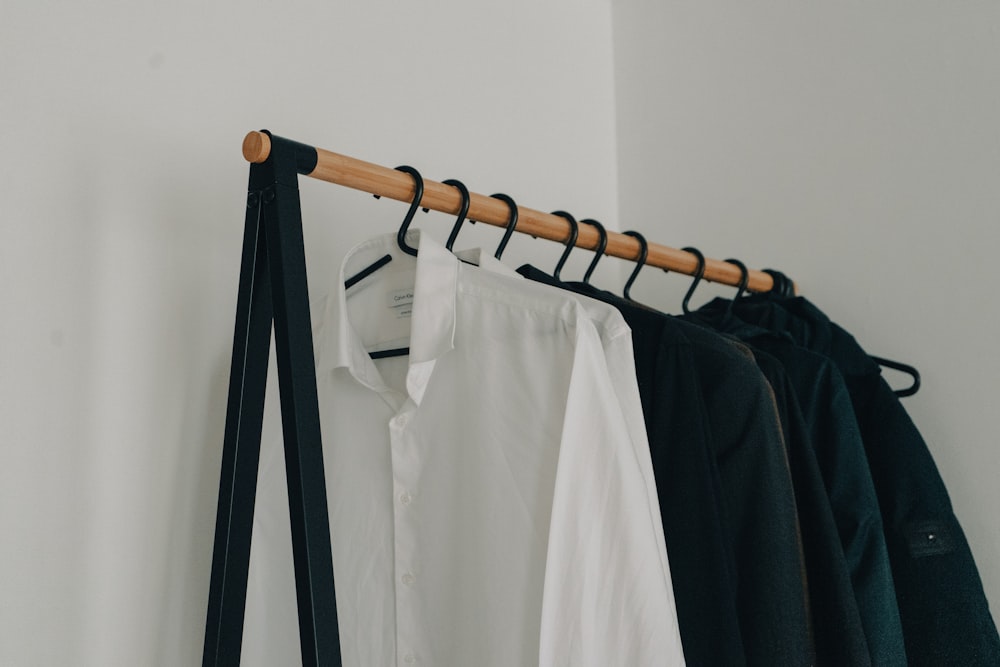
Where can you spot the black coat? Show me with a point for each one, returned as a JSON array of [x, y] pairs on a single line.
[[944, 612]]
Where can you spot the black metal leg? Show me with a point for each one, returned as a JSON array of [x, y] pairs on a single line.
[[317, 607], [273, 289], [241, 448]]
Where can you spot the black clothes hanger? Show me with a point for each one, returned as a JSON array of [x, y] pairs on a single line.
[[699, 273], [744, 280], [418, 194], [639, 262], [367, 271], [574, 231], [602, 244], [418, 182], [511, 222], [904, 368], [783, 285], [462, 211]]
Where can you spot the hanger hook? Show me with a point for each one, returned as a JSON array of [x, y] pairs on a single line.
[[640, 261], [462, 211], [744, 279], [511, 222], [574, 231], [699, 273], [904, 368], [782, 284], [418, 194], [602, 245]]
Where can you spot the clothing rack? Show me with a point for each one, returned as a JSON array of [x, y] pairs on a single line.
[[273, 290]]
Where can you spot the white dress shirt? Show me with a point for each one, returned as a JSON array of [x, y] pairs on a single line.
[[489, 504], [616, 339]]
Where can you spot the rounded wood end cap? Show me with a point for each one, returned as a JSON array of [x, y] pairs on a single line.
[[256, 147]]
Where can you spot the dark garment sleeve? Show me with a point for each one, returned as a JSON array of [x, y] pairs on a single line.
[[688, 485], [837, 628], [945, 614], [836, 440], [760, 511]]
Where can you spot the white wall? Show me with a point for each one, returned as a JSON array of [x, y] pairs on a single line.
[[123, 193], [855, 146]]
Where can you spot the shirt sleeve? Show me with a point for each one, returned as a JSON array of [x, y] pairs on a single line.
[[607, 598], [620, 363]]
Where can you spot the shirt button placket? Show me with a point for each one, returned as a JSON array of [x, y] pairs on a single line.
[[405, 465]]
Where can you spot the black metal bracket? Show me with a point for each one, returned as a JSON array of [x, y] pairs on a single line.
[[273, 290]]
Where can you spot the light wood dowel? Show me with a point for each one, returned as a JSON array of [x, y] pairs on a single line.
[[387, 182], [256, 147]]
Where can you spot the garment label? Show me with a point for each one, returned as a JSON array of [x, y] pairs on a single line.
[[929, 538], [400, 301]]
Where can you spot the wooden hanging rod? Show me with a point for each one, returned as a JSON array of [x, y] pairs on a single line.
[[387, 182]]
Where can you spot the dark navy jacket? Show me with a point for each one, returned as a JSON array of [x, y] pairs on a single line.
[[944, 612]]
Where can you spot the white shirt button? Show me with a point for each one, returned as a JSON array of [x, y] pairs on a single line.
[[408, 579], [405, 498], [409, 658]]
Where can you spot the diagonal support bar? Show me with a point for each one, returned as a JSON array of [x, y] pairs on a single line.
[[300, 424], [273, 289], [241, 446]]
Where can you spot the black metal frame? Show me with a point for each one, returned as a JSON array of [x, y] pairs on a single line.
[[272, 289]]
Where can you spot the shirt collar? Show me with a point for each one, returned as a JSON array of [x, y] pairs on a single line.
[[432, 329], [486, 262]]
